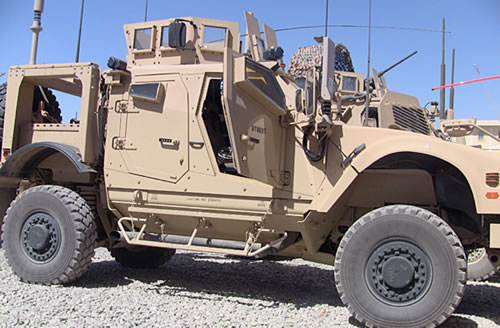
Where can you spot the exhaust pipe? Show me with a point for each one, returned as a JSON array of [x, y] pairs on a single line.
[[183, 240]]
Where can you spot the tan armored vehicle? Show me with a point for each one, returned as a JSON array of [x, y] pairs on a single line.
[[193, 145]]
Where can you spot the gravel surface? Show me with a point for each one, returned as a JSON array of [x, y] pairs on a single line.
[[200, 290]]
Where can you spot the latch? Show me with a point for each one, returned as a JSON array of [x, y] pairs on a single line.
[[169, 142]]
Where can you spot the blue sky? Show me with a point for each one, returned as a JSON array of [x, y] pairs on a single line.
[[474, 26]]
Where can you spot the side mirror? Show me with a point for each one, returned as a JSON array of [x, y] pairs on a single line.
[[177, 35]]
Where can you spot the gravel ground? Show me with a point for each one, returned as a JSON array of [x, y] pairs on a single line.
[[200, 290]]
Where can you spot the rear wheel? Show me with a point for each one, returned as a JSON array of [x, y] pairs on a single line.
[[400, 266], [481, 265], [49, 235], [141, 257]]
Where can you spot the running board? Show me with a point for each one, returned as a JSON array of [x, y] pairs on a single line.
[[250, 248]]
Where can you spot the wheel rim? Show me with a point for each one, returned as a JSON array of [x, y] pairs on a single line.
[[40, 237], [475, 254], [398, 273]]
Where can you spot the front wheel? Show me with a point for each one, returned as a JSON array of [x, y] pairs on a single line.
[[400, 266], [49, 235]]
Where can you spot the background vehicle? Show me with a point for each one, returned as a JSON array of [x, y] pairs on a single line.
[[192, 145]]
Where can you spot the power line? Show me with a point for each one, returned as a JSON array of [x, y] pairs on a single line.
[[360, 26]]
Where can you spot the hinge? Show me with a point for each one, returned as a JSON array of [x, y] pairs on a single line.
[[281, 177], [122, 143], [121, 106]]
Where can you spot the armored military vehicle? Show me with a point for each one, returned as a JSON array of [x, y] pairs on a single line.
[[192, 144]]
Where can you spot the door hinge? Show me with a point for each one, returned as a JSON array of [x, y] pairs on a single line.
[[281, 177], [123, 144]]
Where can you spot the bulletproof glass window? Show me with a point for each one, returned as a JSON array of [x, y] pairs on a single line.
[[164, 37], [214, 37], [264, 79], [142, 38], [147, 91]]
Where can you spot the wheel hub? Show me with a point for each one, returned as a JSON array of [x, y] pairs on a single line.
[[40, 237], [398, 272]]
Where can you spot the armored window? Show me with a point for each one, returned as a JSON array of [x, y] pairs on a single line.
[[164, 37], [214, 37], [148, 91], [143, 38], [264, 79]]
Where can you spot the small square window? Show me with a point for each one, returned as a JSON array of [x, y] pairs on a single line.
[[142, 38], [164, 37], [214, 37]]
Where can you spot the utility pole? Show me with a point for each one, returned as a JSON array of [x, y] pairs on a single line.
[[326, 20], [79, 35], [443, 80], [36, 28]]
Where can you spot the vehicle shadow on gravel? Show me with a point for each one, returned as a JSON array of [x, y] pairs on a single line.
[[204, 276], [482, 300]]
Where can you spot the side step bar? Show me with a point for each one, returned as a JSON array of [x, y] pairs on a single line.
[[250, 248]]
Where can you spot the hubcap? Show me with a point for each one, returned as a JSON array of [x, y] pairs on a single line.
[[40, 237], [398, 272]]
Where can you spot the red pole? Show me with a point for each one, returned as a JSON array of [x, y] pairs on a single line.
[[466, 82]]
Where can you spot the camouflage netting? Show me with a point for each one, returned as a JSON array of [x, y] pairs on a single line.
[[307, 57]]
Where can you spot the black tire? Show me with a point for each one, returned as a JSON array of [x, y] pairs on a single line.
[[400, 266], [481, 265], [6, 197], [52, 106], [3, 94], [49, 235], [140, 257]]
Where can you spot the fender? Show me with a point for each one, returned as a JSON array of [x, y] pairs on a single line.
[[472, 163], [24, 160]]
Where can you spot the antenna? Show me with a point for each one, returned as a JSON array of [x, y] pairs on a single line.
[[146, 12], [77, 58], [36, 28], [396, 64], [367, 81], [452, 89]]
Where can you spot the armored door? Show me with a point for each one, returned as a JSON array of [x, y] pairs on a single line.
[[254, 105], [155, 130]]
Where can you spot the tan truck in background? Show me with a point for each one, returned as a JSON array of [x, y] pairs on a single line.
[[193, 145]]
